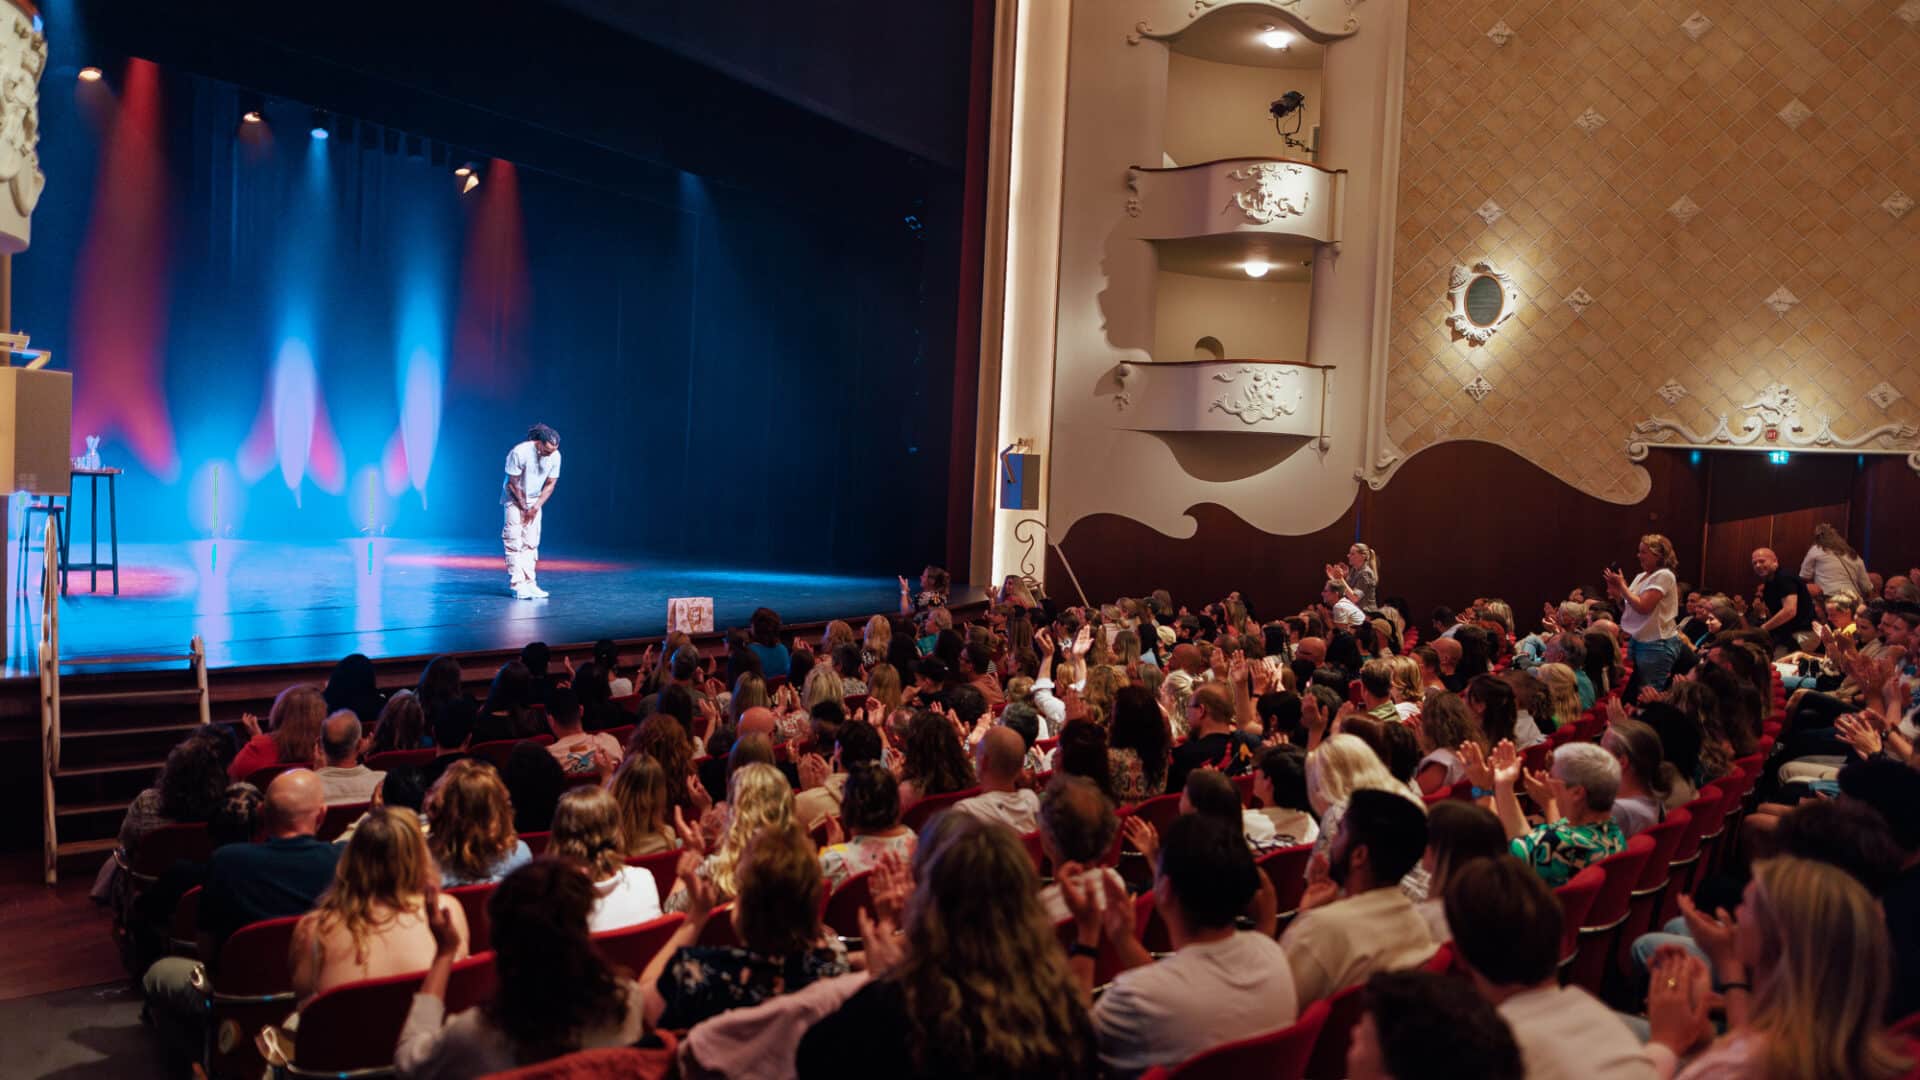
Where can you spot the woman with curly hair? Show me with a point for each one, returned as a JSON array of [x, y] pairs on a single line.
[[372, 922], [978, 984], [586, 829], [1445, 723], [758, 795], [402, 724], [553, 992], [1563, 695], [663, 739], [876, 639], [192, 785], [471, 824], [934, 761], [292, 735]]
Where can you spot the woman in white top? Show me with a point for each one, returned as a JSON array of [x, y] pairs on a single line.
[[1445, 723], [1650, 604], [586, 829], [1832, 566]]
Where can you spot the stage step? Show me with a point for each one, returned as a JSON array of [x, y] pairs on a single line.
[[139, 729], [106, 768], [189, 696], [114, 806], [86, 847]]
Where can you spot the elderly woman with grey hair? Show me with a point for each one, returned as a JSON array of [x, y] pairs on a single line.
[[1576, 793]]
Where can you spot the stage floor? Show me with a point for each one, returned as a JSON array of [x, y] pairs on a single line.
[[257, 603]]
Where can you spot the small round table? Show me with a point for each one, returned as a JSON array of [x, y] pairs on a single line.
[[93, 565]]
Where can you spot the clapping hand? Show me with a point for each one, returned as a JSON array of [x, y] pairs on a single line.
[[1473, 761], [446, 936], [1506, 764], [1321, 889], [1678, 999], [890, 887], [1142, 835], [1859, 733], [698, 795], [1312, 716], [701, 895], [250, 724], [814, 771], [1714, 933], [690, 836]]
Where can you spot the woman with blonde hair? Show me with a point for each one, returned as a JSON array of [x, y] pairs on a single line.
[[639, 786], [758, 796], [836, 634], [586, 829], [1015, 592], [977, 985], [749, 691], [1341, 765], [1358, 577], [292, 736], [1832, 566], [1445, 723], [883, 686], [822, 684], [1805, 969], [1103, 682], [1563, 694], [1408, 691], [876, 639], [471, 819], [372, 921], [1650, 611], [1126, 648]]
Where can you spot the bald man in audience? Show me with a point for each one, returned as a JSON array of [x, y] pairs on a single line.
[[344, 778], [998, 761], [758, 720], [246, 883]]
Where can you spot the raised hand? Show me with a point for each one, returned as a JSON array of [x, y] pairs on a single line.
[[690, 836], [880, 940], [250, 724], [814, 771], [1715, 933], [1859, 734], [1539, 792], [1677, 1005], [1312, 716], [1085, 901], [1237, 668], [1043, 644], [890, 887], [1142, 835], [1474, 761], [701, 895], [698, 795], [446, 936], [1321, 889], [1506, 763], [1082, 641], [835, 834]]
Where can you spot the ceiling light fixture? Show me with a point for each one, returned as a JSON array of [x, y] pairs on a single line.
[[465, 168], [91, 74], [471, 182], [1274, 38], [1256, 268]]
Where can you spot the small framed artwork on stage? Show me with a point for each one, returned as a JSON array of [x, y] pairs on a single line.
[[693, 614]]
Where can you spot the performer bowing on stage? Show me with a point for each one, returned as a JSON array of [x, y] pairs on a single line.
[[532, 469]]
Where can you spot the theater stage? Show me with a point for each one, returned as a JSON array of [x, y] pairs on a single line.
[[260, 603]]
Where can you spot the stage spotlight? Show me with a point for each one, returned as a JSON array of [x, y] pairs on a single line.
[[1256, 268], [91, 74], [470, 183], [252, 116], [464, 169], [319, 129]]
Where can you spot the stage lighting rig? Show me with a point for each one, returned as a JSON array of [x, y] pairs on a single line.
[[1290, 104]]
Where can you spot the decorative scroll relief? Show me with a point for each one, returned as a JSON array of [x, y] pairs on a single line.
[[23, 58], [1269, 394], [1319, 20], [1279, 190], [1775, 422]]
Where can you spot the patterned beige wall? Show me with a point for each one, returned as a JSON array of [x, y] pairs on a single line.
[[1737, 148]]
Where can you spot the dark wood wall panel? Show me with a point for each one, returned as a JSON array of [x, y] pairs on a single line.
[[1886, 515]]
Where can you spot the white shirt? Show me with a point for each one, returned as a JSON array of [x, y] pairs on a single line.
[[1565, 1033], [1347, 613], [1833, 573], [1017, 810], [1333, 947], [626, 899], [1658, 624], [533, 470], [1200, 997], [348, 784]]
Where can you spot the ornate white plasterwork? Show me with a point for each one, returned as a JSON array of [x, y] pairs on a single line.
[[1590, 121], [1579, 300], [1884, 395], [1781, 300], [1269, 394], [1897, 204], [1794, 113], [1775, 421], [23, 58], [1671, 391], [1321, 20], [1500, 32], [1270, 197], [1491, 211], [1696, 25], [1479, 388], [1684, 209], [1457, 283]]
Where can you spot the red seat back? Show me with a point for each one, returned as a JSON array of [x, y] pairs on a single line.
[[1035, 851], [1609, 911], [395, 759], [1576, 899], [1329, 1057], [252, 987], [1645, 900], [663, 865], [473, 900], [633, 947], [845, 903], [1244, 785], [161, 848], [630, 703], [471, 982], [1287, 869], [621, 734], [1158, 811], [626, 1062], [183, 932], [498, 751], [339, 816], [536, 841], [719, 929], [355, 1026], [263, 777], [1277, 1055], [924, 810]]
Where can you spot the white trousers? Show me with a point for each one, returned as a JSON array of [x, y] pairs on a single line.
[[522, 540]]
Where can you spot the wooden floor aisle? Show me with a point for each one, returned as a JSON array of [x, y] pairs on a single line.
[[51, 938]]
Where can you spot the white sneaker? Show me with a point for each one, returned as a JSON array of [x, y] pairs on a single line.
[[537, 592], [523, 592]]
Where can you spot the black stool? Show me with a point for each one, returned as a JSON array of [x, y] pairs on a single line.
[[49, 509]]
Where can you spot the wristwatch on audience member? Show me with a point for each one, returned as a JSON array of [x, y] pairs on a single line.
[[1081, 948]]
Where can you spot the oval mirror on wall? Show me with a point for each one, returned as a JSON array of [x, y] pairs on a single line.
[[1485, 298]]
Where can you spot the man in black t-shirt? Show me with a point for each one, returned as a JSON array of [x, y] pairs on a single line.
[[1789, 607], [1214, 738]]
